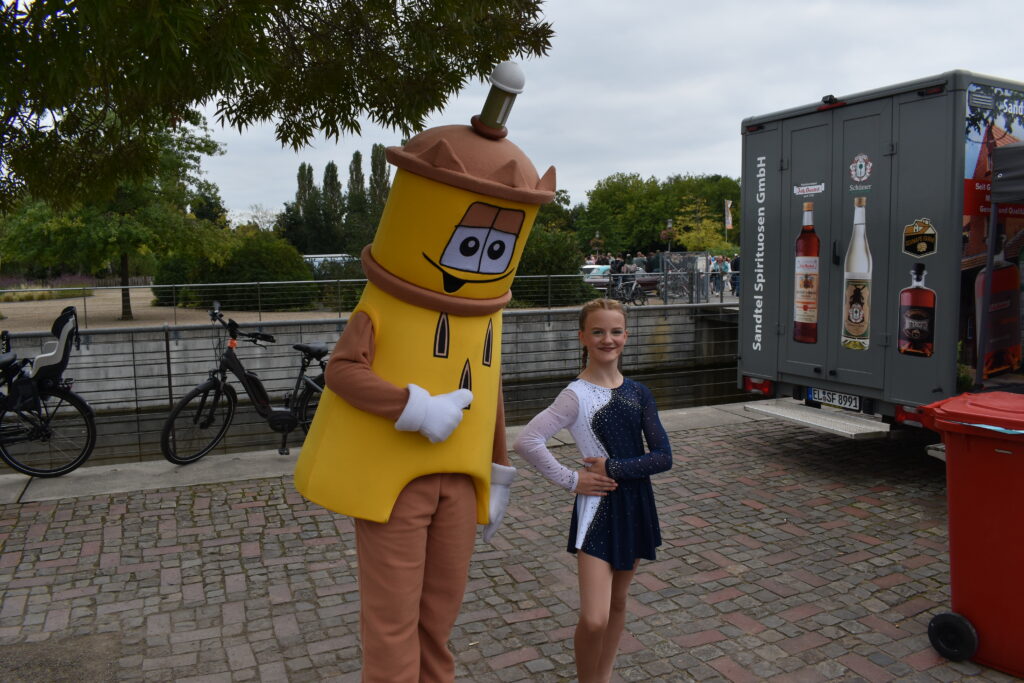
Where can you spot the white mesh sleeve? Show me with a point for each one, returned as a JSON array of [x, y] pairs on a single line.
[[532, 441]]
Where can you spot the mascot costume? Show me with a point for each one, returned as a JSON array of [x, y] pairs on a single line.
[[409, 436]]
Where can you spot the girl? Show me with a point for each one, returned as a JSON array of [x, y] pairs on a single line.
[[614, 522]]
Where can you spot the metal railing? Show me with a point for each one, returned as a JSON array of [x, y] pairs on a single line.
[[132, 375], [27, 310]]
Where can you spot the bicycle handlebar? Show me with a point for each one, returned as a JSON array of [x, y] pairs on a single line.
[[234, 332]]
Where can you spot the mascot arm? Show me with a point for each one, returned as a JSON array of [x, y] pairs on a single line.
[[350, 374], [502, 474], [499, 453]]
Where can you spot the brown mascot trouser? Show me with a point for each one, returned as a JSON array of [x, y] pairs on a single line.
[[412, 575]]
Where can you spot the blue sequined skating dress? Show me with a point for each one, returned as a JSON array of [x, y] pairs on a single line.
[[623, 525]]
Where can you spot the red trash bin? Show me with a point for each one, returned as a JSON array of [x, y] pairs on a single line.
[[984, 437]]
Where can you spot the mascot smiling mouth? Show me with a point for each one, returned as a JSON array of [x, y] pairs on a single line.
[[453, 284]]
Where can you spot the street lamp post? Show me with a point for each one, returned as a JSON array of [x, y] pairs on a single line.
[[669, 234]]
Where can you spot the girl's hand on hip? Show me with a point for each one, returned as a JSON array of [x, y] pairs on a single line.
[[593, 484], [596, 465]]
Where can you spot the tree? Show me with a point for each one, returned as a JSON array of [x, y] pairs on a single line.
[[141, 218], [558, 214], [333, 210], [628, 211], [261, 217], [358, 230], [305, 185], [703, 197], [207, 205], [89, 87], [550, 251], [380, 184], [304, 222], [704, 234]]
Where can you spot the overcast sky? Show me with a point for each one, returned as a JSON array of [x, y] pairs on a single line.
[[659, 87]]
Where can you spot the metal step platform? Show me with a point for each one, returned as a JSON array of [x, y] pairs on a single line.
[[831, 420]]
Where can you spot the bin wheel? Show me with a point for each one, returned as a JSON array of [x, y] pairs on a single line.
[[953, 636]]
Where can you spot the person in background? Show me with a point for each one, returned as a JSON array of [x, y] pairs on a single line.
[[640, 261], [614, 522], [735, 268]]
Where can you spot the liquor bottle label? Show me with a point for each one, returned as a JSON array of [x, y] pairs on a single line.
[[805, 297], [916, 324], [857, 309]]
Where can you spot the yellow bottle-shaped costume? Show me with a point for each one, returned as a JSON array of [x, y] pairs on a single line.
[[440, 268]]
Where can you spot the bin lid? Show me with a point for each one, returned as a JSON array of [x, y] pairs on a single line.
[[997, 410]]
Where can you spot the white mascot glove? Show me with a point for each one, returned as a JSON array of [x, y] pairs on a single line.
[[435, 417], [501, 477]]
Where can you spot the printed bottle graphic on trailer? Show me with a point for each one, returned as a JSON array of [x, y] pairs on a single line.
[[917, 316], [805, 294], [857, 283]]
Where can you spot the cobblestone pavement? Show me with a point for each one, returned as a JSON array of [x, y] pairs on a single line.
[[788, 556]]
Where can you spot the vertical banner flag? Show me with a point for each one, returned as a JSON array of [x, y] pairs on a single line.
[[728, 214]]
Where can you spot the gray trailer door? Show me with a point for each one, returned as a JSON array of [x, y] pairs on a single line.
[[927, 182], [808, 177], [849, 151], [863, 138]]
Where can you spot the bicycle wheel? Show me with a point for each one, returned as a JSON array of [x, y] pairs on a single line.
[[308, 401], [198, 422], [48, 438], [639, 296]]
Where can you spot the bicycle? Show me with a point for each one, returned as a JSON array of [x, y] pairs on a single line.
[[46, 430], [199, 421], [627, 290]]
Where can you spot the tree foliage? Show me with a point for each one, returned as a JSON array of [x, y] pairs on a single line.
[[206, 204], [703, 235], [550, 251], [558, 213], [380, 184], [333, 211], [358, 228], [628, 212], [88, 87], [141, 219], [247, 256]]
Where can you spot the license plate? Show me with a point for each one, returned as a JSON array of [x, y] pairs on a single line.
[[833, 398]]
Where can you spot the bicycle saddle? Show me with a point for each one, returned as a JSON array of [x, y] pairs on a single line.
[[317, 350]]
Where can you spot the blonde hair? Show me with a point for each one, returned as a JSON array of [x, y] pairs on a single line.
[[598, 305]]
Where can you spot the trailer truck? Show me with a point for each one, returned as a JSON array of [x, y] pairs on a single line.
[[877, 277]]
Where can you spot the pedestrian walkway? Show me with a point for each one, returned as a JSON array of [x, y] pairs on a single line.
[[788, 555]]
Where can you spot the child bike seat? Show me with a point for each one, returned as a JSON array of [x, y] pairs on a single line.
[[50, 364]]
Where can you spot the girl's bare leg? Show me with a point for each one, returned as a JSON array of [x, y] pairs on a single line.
[[602, 617], [616, 622]]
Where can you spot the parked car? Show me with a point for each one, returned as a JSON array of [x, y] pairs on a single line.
[[597, 277]]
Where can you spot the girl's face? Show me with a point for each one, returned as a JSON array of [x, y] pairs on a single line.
[[604, 335]]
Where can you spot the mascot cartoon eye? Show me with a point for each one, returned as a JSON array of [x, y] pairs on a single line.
[[497, 252], [469, 246], [464, 249]]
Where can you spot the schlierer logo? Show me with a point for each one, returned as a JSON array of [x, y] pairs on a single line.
[[860, 169]]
